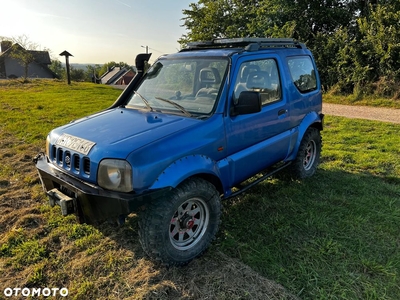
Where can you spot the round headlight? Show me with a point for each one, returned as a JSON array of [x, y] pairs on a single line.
[[115, 175]]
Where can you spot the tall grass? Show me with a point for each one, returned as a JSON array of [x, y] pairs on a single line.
[[361, 99]]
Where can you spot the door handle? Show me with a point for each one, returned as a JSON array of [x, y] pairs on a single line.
[[282, 111]]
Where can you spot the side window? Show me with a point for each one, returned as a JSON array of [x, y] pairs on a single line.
[[261, 76], [303, 73]]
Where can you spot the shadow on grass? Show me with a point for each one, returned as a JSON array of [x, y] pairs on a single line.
[[327, 236], [214, 275], [330, 236]]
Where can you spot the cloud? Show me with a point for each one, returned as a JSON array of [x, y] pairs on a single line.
[[124, 3]]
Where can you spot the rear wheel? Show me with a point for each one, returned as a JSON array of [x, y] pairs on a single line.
[[308, 155], [182, 225]]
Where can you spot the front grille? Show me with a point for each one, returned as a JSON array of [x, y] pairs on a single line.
[[86, 165], [76, 162], [59, 157], [70, 161]]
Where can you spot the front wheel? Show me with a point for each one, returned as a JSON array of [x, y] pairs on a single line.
[[308, 155], [181, 226]]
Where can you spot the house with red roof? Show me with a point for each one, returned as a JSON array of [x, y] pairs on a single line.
[[117, 76]]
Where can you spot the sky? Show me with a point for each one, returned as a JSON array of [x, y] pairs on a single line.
[[96, 31]]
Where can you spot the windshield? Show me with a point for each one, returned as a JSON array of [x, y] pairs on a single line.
[[185, 86]]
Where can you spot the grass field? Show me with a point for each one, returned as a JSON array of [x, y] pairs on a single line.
[[333, 236]]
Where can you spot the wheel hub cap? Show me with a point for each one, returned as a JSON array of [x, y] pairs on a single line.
[[188, 224]]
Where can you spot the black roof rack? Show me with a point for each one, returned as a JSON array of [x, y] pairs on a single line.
[[249, 44]]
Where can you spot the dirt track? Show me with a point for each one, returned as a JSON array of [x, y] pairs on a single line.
[[363, 112]]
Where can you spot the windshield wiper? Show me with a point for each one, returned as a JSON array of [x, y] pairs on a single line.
[[144, 100], [180, 107]]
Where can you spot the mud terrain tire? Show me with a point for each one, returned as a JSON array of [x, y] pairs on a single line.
[[180, 227], [308, 156]]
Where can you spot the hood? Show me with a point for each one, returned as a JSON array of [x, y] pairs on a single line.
[[117, 132]]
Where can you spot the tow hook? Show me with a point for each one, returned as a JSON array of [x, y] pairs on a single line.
[[65, 202], [37, 157]]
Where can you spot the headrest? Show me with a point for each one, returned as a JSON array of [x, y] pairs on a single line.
[[257, 80], [246, 70], [209, 75]]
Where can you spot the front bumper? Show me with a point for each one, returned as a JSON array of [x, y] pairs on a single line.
[[90, 203]]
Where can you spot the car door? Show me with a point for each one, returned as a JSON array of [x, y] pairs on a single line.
[[255, 141]]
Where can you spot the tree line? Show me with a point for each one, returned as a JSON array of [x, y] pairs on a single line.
[[356, 43]]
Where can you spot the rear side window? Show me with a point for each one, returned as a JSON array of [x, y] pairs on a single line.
[[303, 73]]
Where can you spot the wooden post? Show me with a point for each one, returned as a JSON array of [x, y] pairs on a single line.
[[67, 55]]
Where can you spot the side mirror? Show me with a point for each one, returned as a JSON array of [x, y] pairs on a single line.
[[249, 102]]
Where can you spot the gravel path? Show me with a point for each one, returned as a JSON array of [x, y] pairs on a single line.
[[362, 112]]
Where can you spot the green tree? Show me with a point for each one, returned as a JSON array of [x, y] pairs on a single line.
[[209, 19], [302, 19], [380, 47], [23, 56], [307, 18], [57, 68], [77, 74], [364, 57], [355, 42], [311, 22], [92, 73], [109, 65]]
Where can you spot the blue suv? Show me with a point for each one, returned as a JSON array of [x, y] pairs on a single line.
[[186, 134]]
